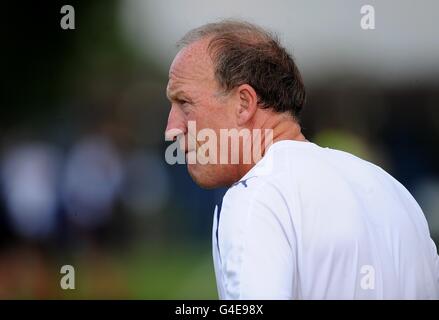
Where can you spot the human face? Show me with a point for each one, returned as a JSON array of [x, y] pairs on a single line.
[[195, 96]]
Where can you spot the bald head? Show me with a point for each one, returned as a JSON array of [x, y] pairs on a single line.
[[191, 63]]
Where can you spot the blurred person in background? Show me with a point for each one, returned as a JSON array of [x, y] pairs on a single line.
[[303, 222]]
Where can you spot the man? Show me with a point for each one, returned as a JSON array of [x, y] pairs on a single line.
[[302, 222]]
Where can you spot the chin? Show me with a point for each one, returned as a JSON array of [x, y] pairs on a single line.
[[208, 176]]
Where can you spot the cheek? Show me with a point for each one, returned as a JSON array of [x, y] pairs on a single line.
[[220, 117], [204, 116], [212, 114]]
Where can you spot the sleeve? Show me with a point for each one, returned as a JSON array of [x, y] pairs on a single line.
[[259, 261]]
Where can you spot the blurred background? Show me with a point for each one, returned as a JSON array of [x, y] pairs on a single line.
[[83, 179]]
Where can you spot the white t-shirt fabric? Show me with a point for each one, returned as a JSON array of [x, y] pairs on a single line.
[[308, 222]]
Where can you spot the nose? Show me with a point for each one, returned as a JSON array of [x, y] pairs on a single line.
[[176, 124]]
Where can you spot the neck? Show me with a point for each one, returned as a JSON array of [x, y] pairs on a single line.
[[284, 127]]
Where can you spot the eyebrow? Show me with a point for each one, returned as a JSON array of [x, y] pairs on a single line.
[[173, 96]]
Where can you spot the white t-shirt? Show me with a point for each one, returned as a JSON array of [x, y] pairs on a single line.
[[315, 223]]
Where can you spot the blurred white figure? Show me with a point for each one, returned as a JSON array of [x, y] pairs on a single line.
[[146, 187], [92, 180], [30, 177]]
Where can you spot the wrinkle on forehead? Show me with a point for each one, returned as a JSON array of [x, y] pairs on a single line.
[[192, 63]]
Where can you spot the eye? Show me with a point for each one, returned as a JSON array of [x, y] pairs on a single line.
[[182, 102]]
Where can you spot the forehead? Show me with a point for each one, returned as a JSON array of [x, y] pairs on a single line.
[[192, 66]]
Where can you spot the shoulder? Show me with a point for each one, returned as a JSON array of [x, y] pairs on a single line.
[[254, 203], [248, 194], [271, 184]]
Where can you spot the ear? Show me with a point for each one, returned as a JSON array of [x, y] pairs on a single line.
[[248, 104]]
